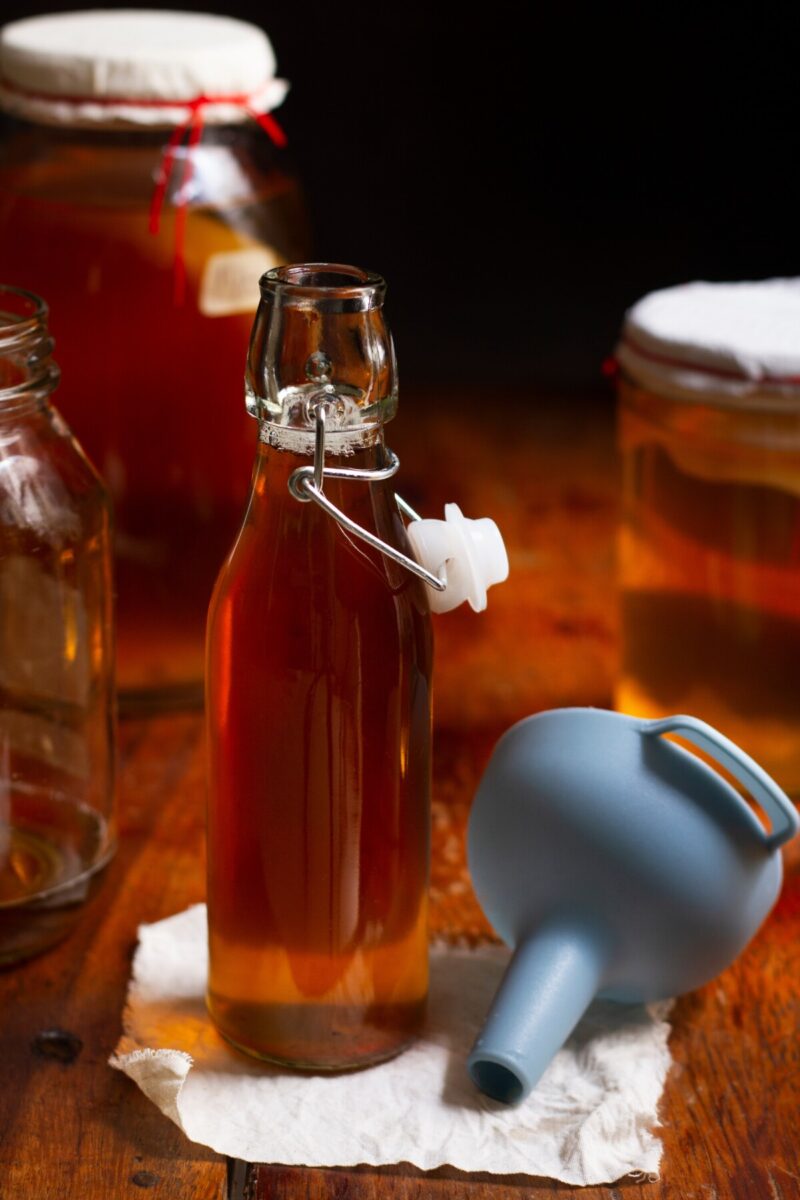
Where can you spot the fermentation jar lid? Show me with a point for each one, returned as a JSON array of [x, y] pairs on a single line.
[[136, 67], [729, 343]]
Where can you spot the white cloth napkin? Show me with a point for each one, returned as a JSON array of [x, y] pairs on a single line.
[[589, 1121]]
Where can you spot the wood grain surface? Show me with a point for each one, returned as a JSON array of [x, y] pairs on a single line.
[[73, 1129], [76, 1128], [729, 1114]]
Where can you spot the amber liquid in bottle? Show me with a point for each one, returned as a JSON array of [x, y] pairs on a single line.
[[318, 679]]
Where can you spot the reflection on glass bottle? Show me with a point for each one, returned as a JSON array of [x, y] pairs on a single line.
[[318, 699], [56, 681]]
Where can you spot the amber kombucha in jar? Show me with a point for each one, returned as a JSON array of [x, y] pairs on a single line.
[[709, 542], [159, 257], [318, 702]]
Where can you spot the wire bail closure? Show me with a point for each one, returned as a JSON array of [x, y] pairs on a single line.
[[307, 484]]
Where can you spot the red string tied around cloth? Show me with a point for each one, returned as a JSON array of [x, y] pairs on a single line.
[[193, 126]]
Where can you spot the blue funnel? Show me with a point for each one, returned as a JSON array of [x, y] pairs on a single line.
[[617, 864]]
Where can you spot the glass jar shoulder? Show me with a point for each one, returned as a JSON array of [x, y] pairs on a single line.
[[231, 165], [50, 494]]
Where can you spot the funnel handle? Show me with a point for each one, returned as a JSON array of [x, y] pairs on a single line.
[[764, 790]]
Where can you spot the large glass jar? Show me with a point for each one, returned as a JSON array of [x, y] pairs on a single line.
[[155, 250], [709, 546], [56, 649]]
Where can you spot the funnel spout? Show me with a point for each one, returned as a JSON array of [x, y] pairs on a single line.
[[551, 980]]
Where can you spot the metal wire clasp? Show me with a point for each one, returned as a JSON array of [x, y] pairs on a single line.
[[307, 483]]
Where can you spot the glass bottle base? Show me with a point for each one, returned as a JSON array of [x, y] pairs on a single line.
[[318, 1037]]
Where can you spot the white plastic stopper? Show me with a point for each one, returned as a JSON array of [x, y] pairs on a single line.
[[469, 555]]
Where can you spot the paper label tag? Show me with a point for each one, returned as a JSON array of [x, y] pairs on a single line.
[[230, 280]]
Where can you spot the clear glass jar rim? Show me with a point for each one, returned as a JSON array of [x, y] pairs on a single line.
[[21, 313], [26, 346]]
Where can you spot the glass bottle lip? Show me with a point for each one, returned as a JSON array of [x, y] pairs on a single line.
[[327, 287]]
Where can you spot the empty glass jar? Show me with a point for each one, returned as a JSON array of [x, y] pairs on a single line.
[[56, 649]]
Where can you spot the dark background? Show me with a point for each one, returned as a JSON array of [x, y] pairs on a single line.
[[522, 174]]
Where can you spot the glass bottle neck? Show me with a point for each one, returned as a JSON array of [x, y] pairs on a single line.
[[342, 444], [274, 463], [320, 338]]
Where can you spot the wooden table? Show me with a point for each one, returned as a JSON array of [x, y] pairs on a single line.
[[73, 1129]]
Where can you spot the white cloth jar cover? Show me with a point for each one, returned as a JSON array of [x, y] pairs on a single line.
[[136, 67], [728, 343]]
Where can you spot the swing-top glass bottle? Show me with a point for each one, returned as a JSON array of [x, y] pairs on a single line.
[[318, 699]]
